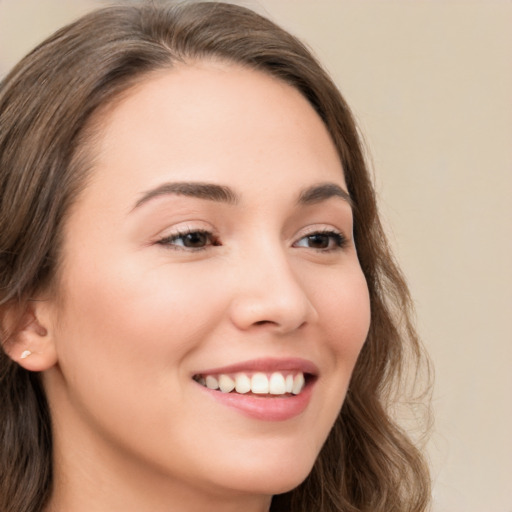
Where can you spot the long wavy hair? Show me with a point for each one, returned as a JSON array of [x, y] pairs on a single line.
[[47, 105]]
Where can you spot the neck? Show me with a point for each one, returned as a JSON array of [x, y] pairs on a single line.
[[83, 486], [93, 472]]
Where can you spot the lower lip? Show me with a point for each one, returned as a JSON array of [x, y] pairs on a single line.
[[265, 408]]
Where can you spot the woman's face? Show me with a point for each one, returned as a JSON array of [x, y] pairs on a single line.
[[213, 244]]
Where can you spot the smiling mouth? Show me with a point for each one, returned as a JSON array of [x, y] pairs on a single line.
[[258, 383]]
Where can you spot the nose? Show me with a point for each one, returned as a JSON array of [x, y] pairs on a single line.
[[269, 293]]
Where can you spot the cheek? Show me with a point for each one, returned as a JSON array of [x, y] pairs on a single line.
[[124, 346], [130, 311], [344, 309], [343, 306]]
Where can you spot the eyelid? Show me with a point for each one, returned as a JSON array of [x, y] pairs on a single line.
[[319, 228], [341, 239], [168, 241], [171, 235], [183, 227], [174, 233]]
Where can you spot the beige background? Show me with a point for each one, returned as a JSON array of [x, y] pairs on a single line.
[[430, 82]]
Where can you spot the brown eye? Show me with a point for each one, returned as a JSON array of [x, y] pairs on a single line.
[[194, 240], [322, 241], [318, 241]]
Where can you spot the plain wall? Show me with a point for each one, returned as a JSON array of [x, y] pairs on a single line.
[[430, 83]]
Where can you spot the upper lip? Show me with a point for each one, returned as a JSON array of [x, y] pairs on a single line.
[[265, 365]]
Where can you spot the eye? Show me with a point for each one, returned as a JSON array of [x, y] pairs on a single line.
[[322, 241], [193, 240]]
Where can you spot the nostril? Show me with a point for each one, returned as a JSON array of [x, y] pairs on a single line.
[[263, 322]]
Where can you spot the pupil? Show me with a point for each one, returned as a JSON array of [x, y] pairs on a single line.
[[195, 240], [319, 241]]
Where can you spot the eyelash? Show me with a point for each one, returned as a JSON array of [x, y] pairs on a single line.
[[169, 241], [339, 239], [336, 240]]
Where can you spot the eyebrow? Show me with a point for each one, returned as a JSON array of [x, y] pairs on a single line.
[[208, 191], [220, 193], [318, 193]]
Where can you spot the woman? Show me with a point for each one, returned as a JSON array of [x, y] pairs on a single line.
[[186, 322]]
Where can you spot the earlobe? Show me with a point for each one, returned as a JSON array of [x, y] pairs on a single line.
[[29, 337]]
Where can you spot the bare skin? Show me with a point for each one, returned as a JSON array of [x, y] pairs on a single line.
[[162, 284]]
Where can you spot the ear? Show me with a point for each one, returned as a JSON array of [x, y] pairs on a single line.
[[30, 335]]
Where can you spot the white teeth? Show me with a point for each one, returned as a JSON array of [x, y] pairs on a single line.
[[289, 383], [226, 383], [212, 382], [259, 384], [243, 383], [298, 383], [277, 384]]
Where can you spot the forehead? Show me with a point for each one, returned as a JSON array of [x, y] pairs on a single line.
[[213, 121]]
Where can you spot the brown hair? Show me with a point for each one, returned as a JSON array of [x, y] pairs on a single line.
[[367, 463]]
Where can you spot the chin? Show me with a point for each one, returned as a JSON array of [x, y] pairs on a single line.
[[270, 480]]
